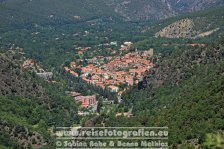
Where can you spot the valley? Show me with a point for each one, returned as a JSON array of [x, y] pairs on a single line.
[[111, 63]]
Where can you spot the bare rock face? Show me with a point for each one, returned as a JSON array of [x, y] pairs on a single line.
[[180, 29]]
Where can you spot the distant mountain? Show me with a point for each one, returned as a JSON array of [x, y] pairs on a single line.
[[139, 10], [76, 10], [160, 9], [182, 6], [194, 25], [23, 12]]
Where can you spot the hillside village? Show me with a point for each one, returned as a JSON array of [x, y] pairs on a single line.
[[29, 63], [116, 70], [116, 73]]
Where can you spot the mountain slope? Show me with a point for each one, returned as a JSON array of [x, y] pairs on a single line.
[[184, 92], [182, 6], [30, 106], [60, 11], [207, 23], [139, 10], [19, 12]]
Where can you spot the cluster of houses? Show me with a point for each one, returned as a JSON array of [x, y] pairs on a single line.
[[119, 71], [86, 101], [81, 50], [115, 73], [126, 46], [29, 63]]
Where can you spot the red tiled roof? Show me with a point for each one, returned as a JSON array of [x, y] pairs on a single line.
[[74, 94], [74, 73], [86, 101]]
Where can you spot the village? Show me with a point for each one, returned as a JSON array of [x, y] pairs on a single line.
[[117, 74]]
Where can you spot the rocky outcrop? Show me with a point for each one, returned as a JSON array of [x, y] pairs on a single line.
[[180, 29]]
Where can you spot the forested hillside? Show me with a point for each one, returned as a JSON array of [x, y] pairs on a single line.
[[25, 13], [175, 33], [184, 92], [30, 107]]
